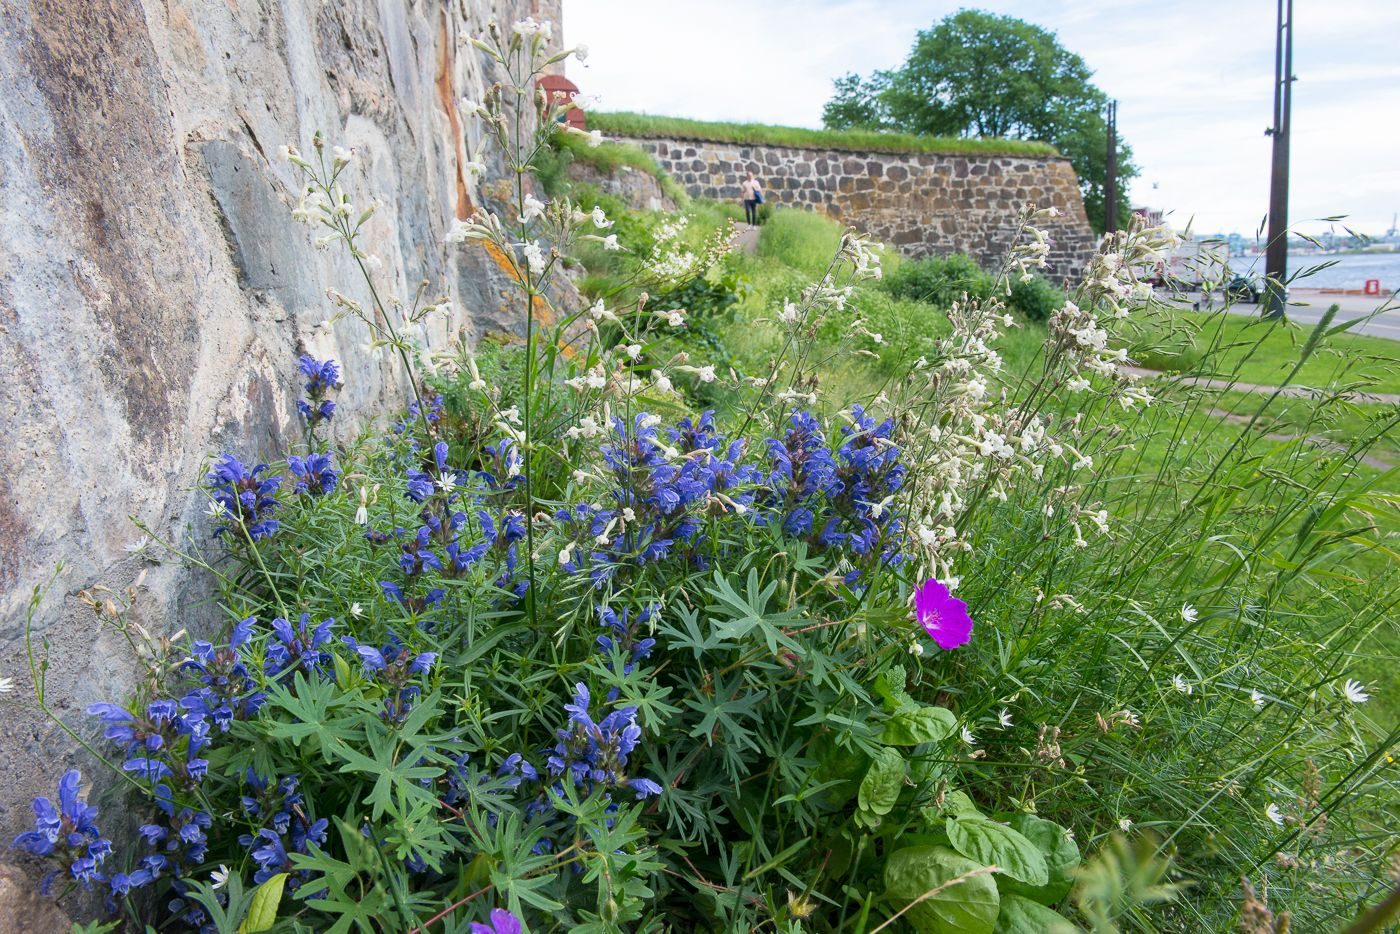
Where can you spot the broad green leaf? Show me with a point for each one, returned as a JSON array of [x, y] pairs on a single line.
[[990, 843], [920, 725], [262, 914], [883, 780], [968, 907], [1061, 857], [889, 684], [1020, 915]]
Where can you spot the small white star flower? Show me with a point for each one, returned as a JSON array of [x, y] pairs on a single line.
[[216, 509], [1274, 814], [1182, 685], [7, 685], [1188, 613], [356, 610], [968, 738], [1124, 824], [1355, 692], [1004, 718], [1257, 699], [916, 649], [219, 876]]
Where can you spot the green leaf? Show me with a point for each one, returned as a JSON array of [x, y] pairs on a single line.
[[969, 907], [1061, 858], [921, 725], [1020, 915], [994, 844], [880, 788], [262, 915]]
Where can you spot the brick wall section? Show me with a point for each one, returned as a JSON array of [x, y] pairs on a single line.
[[924, 203]]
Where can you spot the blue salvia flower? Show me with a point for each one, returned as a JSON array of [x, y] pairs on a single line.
[[592, 755], [321, 377], [67, 833], [244, 497], [297, 648], [314, 473]]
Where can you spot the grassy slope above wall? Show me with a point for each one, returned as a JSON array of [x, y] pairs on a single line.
[[646, 126]]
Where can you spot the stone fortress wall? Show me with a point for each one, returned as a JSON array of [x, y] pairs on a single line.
[[923, 203], [155, 291]]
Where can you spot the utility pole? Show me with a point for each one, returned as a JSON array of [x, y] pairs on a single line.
[[1276, 249], [1110, 183]]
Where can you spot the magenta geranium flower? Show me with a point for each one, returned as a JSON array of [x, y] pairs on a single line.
[[502, 922], [943, 615]]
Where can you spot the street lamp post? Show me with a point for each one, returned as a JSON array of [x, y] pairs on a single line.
[[1276, 250], [1110, 184]]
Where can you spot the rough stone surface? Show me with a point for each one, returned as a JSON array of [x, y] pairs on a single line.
[[640, 190], [154, 291], [924, 203]]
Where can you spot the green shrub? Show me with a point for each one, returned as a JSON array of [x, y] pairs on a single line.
[[940, 280], [1035, 298]]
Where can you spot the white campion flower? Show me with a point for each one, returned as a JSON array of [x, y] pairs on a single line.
[[600, 220], [529, 27], [458, 232], [534, 208], [1182, 685], [633, 351], [341, 155], [663, 383], [534, 256], [1273, 813], [581, 52], [790, 314], [1189, 613], [610, 243], [566, 554], [1077, 384], [1355, 692], [595, 138]]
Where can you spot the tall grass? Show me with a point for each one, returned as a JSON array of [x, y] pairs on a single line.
[[650, 126]]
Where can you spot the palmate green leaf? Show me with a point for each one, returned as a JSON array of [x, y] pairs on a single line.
[[732, 701], [992, 844], [735, 615], [1020, 915], [313, 706], [691, 637], [1061, 858], [969, 907], [882, 783], [920, 725]]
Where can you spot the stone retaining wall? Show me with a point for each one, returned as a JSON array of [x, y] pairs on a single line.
[[924, 203]]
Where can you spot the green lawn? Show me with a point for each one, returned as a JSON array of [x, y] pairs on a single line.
[[1253, 350], [648, 126]]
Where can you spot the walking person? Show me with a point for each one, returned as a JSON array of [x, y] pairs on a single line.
[[752, 194]]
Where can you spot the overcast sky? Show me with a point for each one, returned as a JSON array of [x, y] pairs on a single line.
[[1194, 80]]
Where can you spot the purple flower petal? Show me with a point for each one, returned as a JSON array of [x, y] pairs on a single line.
[[943, 616]]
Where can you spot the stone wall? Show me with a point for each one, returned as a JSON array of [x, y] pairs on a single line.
[[924, 203], [155, 292]]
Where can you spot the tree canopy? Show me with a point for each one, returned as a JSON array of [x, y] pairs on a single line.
[[980, 74]]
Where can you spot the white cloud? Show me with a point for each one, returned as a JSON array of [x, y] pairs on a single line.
[[1194, 81]]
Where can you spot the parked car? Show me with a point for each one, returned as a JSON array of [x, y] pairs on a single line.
[[1244, 289]]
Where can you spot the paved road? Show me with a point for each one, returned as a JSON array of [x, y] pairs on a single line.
[[1306, 309]]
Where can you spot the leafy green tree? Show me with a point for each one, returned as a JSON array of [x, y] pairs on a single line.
[[982, 74]]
